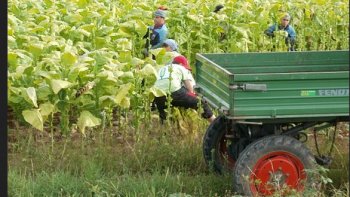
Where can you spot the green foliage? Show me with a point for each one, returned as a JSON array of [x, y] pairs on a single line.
[[58, 85], [57, 47], [34, 118], [86, 119]]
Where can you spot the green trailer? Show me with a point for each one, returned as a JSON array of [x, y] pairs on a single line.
[[267, 101]]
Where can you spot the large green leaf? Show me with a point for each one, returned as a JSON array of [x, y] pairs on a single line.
[[88, 27], [100, 58], [57, 85], [166, 58], [158, 52], [136, 61], [86, 119], [241, 30], [126, 27], [84, 32], [30, 96], [14, 95], [127, 77], [86, 59], [123, 44], [134, 26], [12, 58], [104, 31], [24, 69], [36, 49], [76, 70], [12, 20], [68, 58], [148, 69], [125, 56], [121, 98], [106, 101], [34, 118], [101, 42], [11, 42], [140, 28], [121, 33], [195, 18], [73, 18], [157, 92], [125, 102], [43, 92], [149, 73], [82, 3], [46, 109], [107, 75]]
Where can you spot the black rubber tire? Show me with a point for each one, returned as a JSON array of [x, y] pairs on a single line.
[[249, 157], [211, 141]]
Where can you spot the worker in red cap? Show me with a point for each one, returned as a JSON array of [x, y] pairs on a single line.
[[177, 81], [181, 60], [170, 45]]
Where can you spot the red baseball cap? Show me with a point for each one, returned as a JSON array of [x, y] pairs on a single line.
[[183, 61]]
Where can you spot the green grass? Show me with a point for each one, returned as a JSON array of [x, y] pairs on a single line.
[[163, 162], [155, 184]]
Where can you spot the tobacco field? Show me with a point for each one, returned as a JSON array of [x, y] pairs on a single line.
[[79, 91]]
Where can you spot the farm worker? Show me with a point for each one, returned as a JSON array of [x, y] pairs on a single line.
[[157, 33], [181, 60], [222, 23], [284, 25], [170, 45], [218, 8], [169, 80]]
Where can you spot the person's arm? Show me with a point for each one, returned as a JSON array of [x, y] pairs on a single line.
[[188, 85], [292, 33], [187, 79], [292, 38], [270, 30]]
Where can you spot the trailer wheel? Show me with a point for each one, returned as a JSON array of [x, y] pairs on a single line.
[[273, 164], [216, 146]]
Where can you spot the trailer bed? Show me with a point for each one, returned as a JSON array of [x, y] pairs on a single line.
[[276, 86]]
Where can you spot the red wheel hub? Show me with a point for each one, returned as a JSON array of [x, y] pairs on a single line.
[[275, 171]]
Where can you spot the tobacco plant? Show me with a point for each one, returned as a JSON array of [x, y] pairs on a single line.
[[80, 63]]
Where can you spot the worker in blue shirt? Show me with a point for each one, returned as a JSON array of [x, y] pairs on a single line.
[[290, 32], [157, 33]]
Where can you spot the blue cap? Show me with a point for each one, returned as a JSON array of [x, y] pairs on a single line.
[[160, 13], [171, 43]]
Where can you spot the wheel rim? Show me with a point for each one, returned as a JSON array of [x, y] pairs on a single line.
[[225, 156], [275, 171]]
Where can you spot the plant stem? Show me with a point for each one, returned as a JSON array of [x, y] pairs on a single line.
[[51, 130]]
